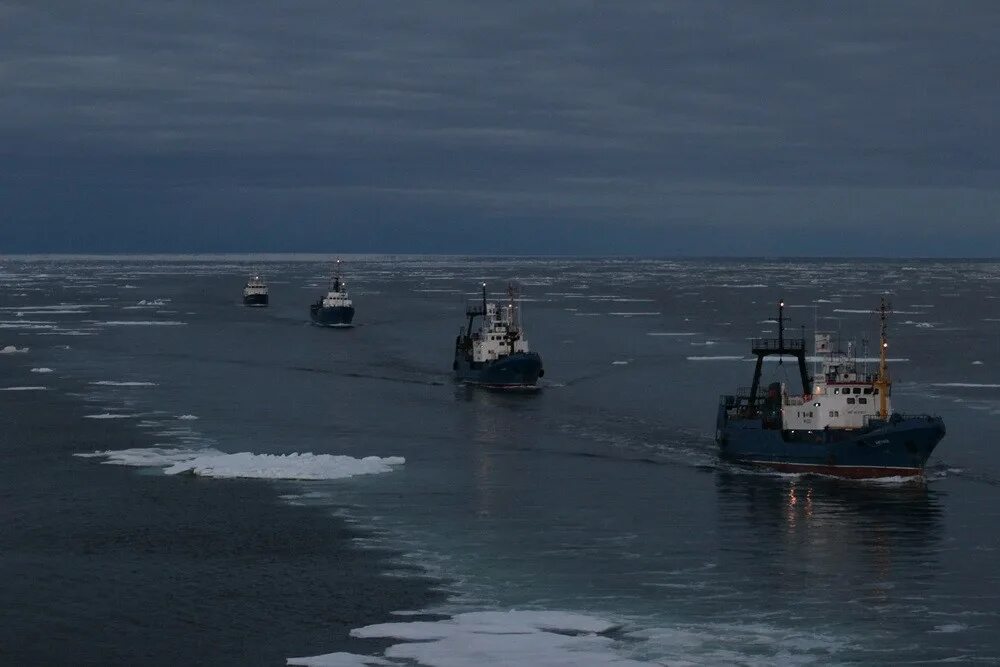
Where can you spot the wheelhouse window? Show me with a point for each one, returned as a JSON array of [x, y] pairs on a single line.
[[850, 401], [862, 400]]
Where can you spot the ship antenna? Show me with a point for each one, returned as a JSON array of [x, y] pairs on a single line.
[[883, 382], [484, 300], [781, 332]]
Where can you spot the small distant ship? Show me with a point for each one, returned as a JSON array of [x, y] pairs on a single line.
[[496, 355], [336, 308], [255, 291], [840, 425]]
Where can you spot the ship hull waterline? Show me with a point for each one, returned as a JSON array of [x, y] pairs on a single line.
[[336, 317], [514, 372], [255, 300], [898, 447]]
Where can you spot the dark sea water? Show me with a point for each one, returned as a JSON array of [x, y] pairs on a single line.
[[592, 515]]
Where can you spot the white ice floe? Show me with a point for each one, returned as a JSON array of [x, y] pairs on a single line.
[[566, 639], [213, 463], [23, 388], [41, 370], [26, 325], [142, 323], [123, 383], [721, 357], [635, 314], [977, 363], [11, 349], [546, 638], [187, 417], [949, 628], [341, 660], [619, 363], [109, 415]]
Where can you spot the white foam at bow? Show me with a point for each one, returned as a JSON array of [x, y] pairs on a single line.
[[213, 463]]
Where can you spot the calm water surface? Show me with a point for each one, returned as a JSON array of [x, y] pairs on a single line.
[[600, 494]]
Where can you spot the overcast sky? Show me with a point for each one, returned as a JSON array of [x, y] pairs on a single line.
[[662, 127]]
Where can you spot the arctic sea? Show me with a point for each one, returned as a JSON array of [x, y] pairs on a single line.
[[188, 481]]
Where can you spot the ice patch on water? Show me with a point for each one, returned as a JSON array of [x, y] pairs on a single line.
[[150, 303], [213, 463], [559, 638], [109, 415], [721, 357], [498, 638], [11, 349], [977, 363], [635, 314], [340, 660], [23, 388], [949, 628], [142, 323], [41, 370], [187, 417], [123, 383], [969, 385], [619, 363], [669, 333]]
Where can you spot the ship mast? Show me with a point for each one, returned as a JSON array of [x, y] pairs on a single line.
[[882, 382], [335, 278]]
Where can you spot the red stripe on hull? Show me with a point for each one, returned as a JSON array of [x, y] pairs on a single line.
[[850, 472]]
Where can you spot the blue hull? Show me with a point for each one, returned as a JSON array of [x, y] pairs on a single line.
[[255, 300], [897, 447], [340, 316], [515, 371]]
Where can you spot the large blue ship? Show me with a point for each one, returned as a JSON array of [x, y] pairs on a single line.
[[496, 355], [841, 424], [336, 308]]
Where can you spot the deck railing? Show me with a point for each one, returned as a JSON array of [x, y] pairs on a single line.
[[769, 344]]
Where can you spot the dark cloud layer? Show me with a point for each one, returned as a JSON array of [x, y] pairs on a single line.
[[583, 127]]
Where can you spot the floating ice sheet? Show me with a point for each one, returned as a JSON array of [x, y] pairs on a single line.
[[213, 463], [142, 323], [123, 383]]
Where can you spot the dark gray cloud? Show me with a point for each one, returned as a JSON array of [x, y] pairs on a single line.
[[658, 127]]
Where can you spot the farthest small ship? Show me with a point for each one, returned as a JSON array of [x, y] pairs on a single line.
[[336, 308], [840, 425], [496, 355], [255, 291]]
